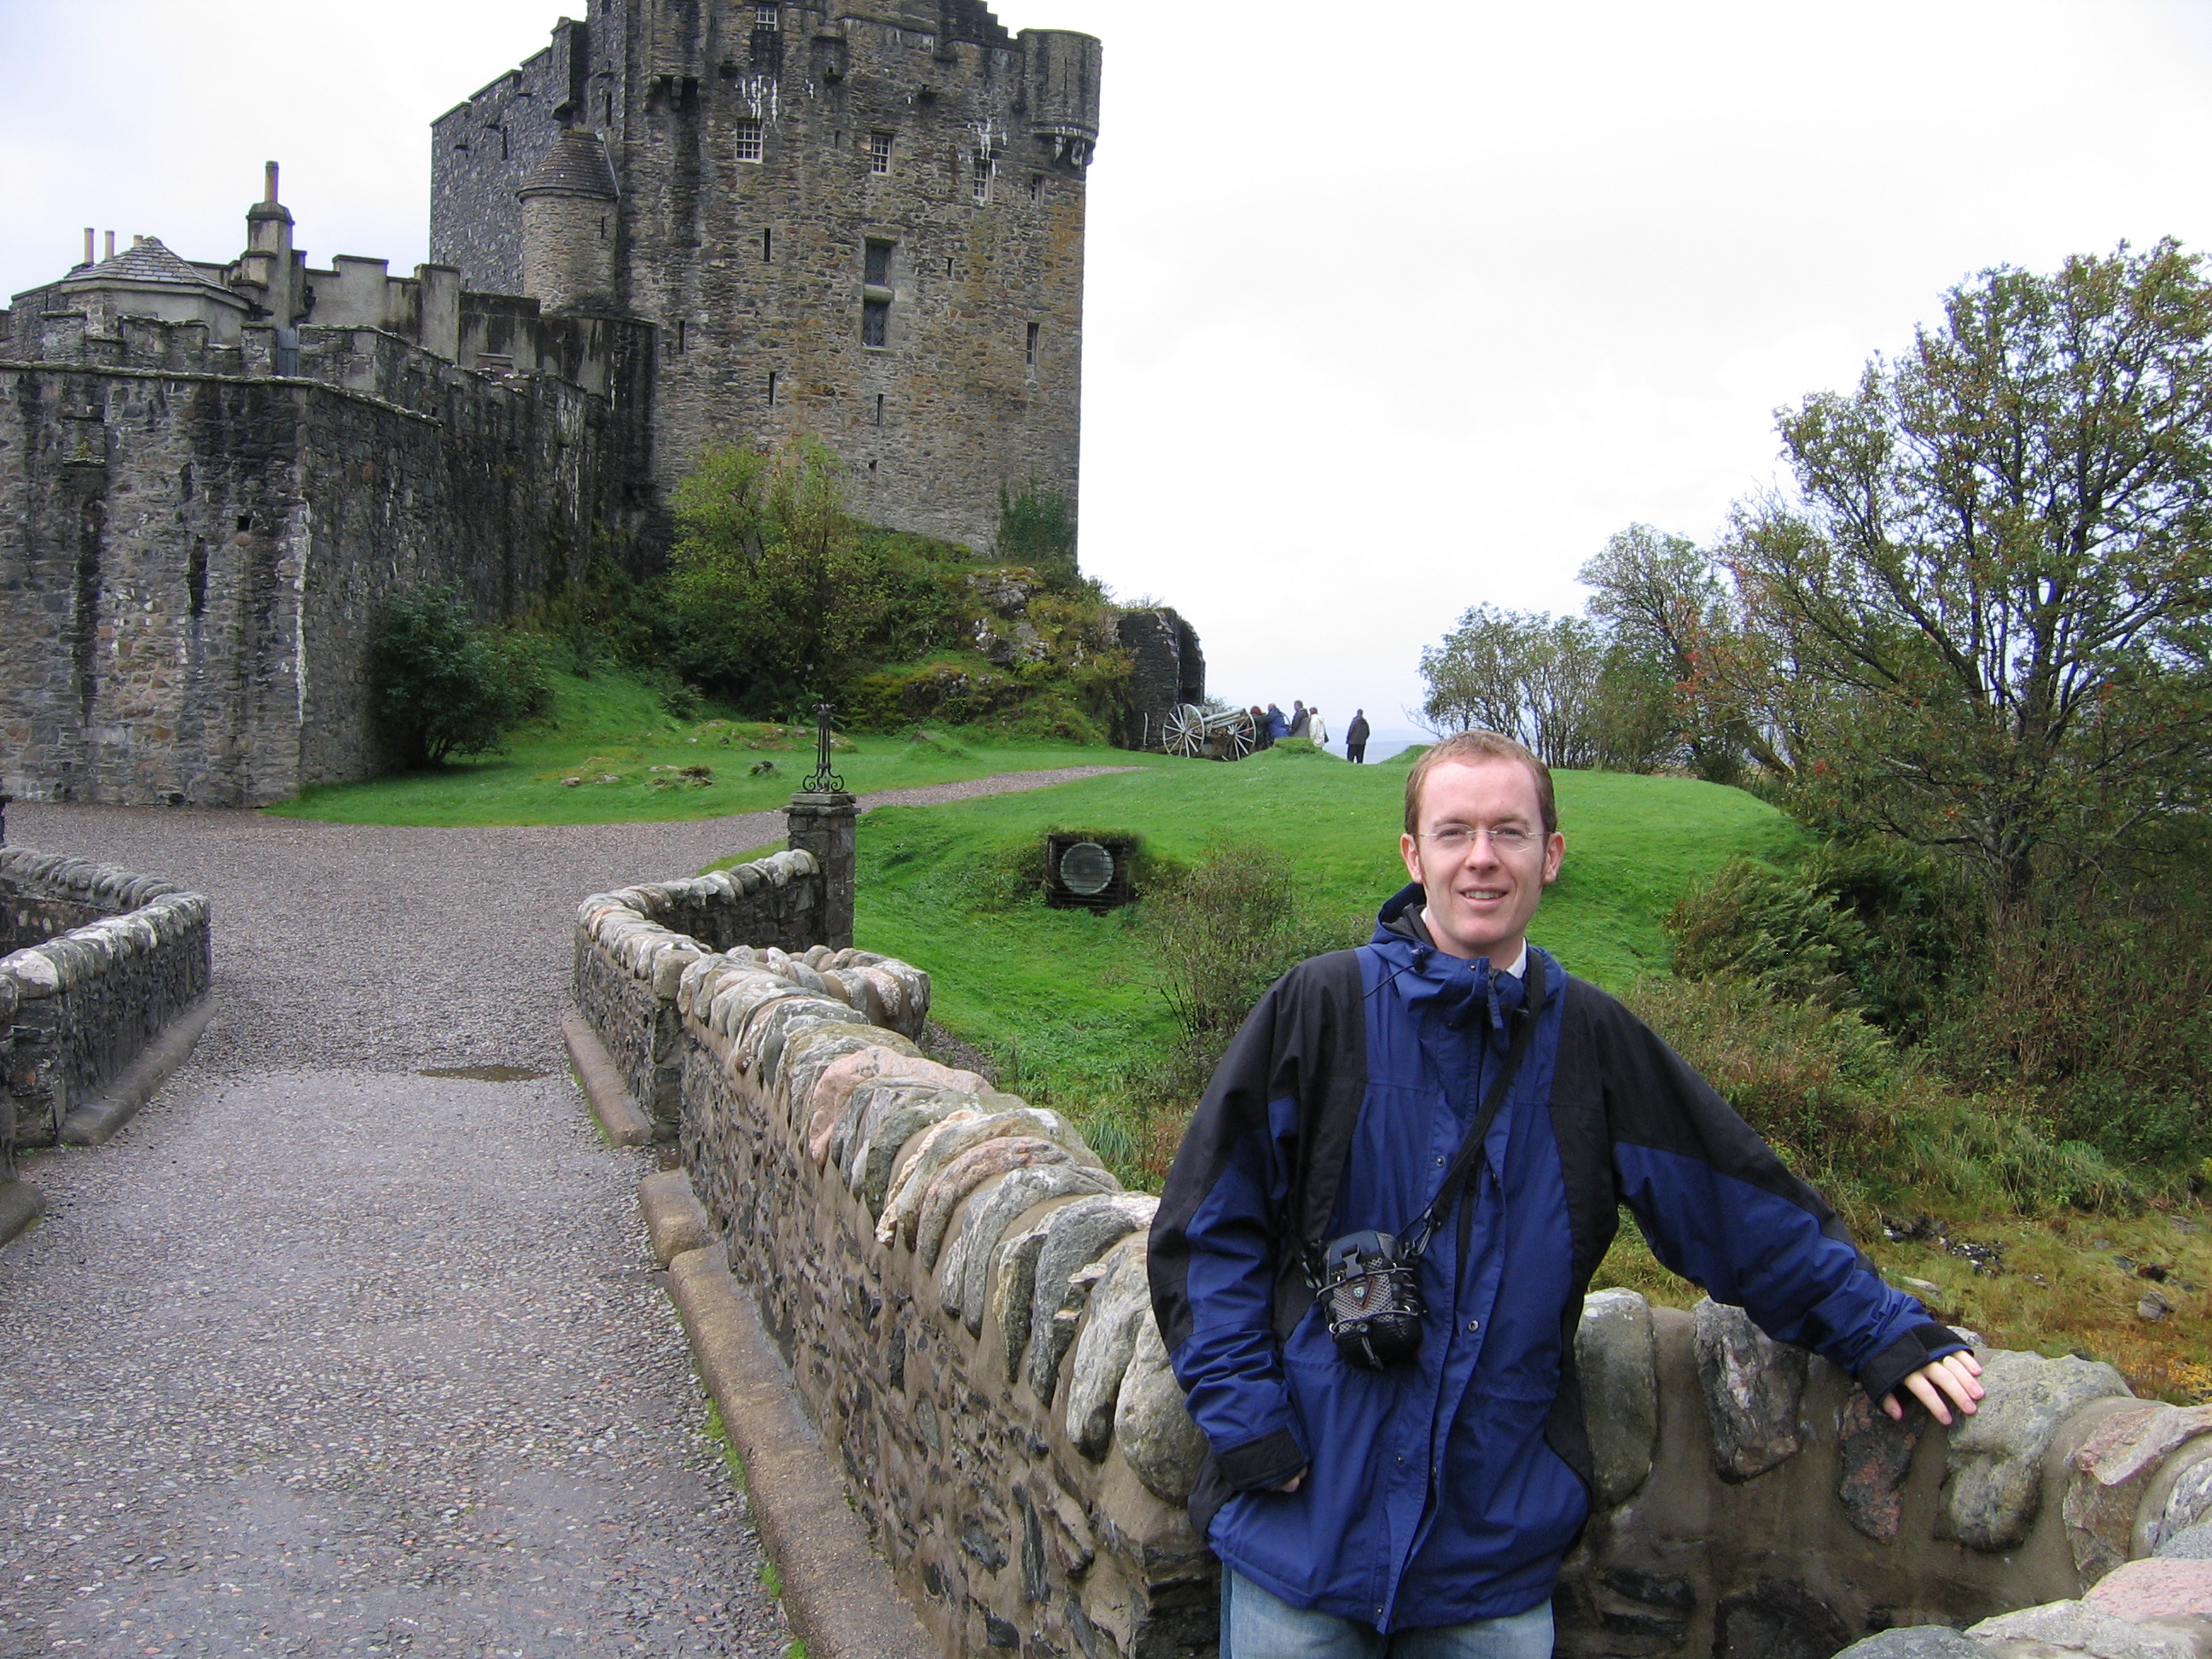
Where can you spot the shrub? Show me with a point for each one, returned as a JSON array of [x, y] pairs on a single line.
[[1219, 933], [1037, 528], [440, 686], [1865, 927], [2100, 1007], [1864, 1124]]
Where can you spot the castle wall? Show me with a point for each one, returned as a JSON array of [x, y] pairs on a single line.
[[482, 149], [755, 271], [193, 551]]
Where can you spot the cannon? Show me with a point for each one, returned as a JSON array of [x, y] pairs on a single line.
[[1201, 734]]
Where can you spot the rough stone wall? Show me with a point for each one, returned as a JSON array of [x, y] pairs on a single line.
[[1166, 668], [756, 271], [29, 918], [89, 1000], [632, 944], [959, 1289], [481, 150], [192, 551]]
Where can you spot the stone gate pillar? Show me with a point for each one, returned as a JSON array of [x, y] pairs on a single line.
[[826, 823]]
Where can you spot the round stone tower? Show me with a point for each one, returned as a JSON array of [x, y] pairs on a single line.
[[568, 225]]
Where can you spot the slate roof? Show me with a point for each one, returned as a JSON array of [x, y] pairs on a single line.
[[148, 261], [575, 165]]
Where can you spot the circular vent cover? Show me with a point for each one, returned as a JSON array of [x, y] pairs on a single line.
[[1086, 868]]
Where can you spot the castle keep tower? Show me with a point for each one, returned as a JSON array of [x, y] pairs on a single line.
[[865, 228]]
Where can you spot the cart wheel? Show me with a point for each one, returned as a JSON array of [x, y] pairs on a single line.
[[1236, 742], [1185, 732]]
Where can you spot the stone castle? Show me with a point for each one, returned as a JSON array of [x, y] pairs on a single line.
[[683, 222]]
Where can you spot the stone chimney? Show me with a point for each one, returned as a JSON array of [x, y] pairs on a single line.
[[268, 267]]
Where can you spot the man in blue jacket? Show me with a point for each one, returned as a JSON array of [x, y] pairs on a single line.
[[1420, 1509]]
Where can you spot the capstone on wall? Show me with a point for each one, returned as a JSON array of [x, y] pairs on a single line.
[[757, 165], [194, 548], [85, 999]]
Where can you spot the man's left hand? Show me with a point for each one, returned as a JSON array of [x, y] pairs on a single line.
[[1948, 1382]]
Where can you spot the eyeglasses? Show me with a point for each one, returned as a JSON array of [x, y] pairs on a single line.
[[1505, 839]]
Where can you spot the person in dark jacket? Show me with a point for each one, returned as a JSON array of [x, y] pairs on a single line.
[[1278, 727], [1299, 718], [1355, 738], [1423, 1508]]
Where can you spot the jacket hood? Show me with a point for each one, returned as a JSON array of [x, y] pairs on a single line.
[[1428, 979]]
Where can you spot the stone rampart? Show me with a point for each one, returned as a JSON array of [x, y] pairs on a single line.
[[194, 550], [959, 1287], [90, 997]]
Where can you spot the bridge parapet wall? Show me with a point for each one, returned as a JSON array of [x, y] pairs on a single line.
[[101, 962], [959, 1287]]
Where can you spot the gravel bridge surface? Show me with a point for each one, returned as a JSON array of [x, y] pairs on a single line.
[[330, 1353]]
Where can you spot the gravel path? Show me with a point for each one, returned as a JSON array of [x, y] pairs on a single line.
[[324, 1355]]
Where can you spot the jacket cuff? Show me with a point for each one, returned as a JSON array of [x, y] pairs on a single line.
[[1258, 1464], [1923, 1344]]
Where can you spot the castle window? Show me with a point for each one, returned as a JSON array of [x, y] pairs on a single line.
[[879, 409], [982, 181], [767, 245], [767, 17], [1033, 345], [877, 265], [875, 323], [879, 152], [748, 139], [771, 388], [1036, 186], [681, 330]]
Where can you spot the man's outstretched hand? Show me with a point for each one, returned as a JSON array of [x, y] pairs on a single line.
[[1947, 1383]]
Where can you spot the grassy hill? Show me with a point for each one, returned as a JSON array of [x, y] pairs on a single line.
[[628, 752], [1066, 998]]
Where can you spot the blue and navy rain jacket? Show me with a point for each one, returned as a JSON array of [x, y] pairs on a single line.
[[1447, 1490]]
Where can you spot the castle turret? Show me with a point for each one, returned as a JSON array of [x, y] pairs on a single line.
[[1059, 92], [568, 225]]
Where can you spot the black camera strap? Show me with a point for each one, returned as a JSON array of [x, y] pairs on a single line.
[[1415, 1239]]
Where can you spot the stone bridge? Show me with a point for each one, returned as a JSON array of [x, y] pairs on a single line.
[[356, 1340]]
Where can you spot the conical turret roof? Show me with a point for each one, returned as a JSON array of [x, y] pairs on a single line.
[[576, 165]]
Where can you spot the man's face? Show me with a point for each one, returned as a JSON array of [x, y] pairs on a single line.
[[1481, 857]]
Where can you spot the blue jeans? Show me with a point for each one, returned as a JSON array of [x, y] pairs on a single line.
[[1255, 1624]]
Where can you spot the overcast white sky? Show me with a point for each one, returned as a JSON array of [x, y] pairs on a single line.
[[1391, 311]]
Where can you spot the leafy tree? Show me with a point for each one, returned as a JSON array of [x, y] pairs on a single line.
[[1037, 528], [1526, 674], [441, 686], [776, 595], [1989, 599], [1672, 612]]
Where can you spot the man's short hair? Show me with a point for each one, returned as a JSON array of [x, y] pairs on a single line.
[[1464, 747]]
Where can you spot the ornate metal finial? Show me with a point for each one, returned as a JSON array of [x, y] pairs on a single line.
[[822, 781]]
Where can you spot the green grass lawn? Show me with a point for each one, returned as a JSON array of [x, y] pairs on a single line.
[[1066, 996], [612, 734]]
